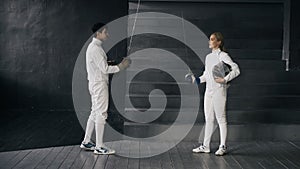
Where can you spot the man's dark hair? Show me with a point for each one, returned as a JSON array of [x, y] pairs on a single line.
[[98, 27]]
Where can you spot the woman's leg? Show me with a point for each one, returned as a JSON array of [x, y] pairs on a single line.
[[209, 120], [219, 104]]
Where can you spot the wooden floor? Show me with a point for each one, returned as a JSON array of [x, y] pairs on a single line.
[[256, 155]]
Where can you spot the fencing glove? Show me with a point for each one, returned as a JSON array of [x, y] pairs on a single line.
[[190, 77], [124, 64]]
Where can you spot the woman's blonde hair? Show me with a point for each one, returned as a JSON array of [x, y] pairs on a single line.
[[220, 37]]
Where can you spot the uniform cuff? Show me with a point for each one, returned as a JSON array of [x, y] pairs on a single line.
[[197, 79]]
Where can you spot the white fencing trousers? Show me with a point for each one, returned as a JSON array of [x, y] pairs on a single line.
[[99, 97], [214, 106]]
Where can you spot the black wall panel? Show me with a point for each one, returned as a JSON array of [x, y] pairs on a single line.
[[40, 42], [254, 38], [295, 36]]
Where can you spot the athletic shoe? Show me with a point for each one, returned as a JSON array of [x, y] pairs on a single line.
[[221, 151], [201, 149], [104, 151], [88, 146]]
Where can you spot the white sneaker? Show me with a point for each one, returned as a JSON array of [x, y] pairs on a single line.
[[104, 151], [88, 146], [201, 149], [221, 151]]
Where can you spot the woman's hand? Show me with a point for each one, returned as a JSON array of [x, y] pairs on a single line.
[[220, 80]]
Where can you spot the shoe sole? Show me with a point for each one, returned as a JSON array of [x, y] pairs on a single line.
[[201, 152], [220, 154], [88, 149], [104, 153]]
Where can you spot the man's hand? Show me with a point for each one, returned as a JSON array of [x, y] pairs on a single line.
[[220, 80], [124, 64]]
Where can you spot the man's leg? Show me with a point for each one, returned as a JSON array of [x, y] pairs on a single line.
[[89, 129], [100, 124], [90, 126], [101, 116], [101, 106]]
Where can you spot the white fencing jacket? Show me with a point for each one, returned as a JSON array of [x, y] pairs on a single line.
[[211, 60], [96, 63]]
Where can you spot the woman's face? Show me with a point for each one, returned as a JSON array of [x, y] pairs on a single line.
[[213, 42]]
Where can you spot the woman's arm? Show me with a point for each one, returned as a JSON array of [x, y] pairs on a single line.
[[235, 71], [202, 78]]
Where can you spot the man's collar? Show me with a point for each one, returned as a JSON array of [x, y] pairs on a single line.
[[97, 41]]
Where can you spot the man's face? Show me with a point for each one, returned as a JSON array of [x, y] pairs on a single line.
[[102, 35]]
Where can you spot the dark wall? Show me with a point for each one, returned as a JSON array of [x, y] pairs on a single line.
[[39, 44], [264, 92], [295, 36], [40, 41]]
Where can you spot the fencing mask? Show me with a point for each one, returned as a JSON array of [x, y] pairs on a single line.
[[221, 70]]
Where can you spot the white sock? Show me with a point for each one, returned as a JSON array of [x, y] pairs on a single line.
[[99, 134], [223, 133], [89, 130], [209, 129]]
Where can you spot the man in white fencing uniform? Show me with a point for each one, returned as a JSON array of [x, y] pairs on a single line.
[[98, 71], [216, 91]]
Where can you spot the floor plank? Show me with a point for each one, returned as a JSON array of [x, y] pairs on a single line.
[[113, 160], [241, 155], [5, 157], [18, 158], [133, 163], [285, 153], [32, 159], [185, 150], [92, 159], [155, 162], [80, 159], [100, 160], [195, 158], [270, 161], [175, 157], [70, 159], [295, 144], [145, 149], [228, 159], [49, 158], [61, 156], [166, 162], [123, 153]]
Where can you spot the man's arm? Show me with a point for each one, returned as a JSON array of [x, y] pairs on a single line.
[[102, 64]]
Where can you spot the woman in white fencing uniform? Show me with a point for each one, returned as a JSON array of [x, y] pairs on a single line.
[[216, 91], [98, 70]]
